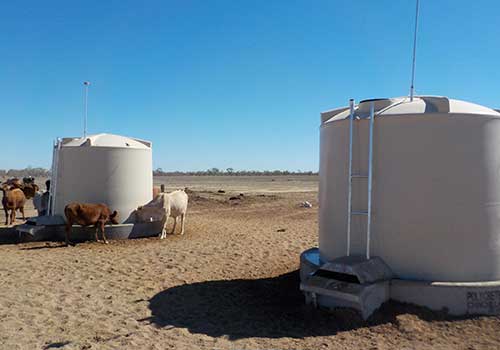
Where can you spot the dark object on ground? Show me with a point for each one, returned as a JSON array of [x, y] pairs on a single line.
[[234, 198], [281, 230], [221, 191]]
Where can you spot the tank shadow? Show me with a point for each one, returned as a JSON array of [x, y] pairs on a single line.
[[268, 307]]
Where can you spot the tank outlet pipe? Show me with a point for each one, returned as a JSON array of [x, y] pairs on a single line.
[[349, 198]]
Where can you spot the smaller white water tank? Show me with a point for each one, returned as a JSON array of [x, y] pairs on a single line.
[[103, 168]]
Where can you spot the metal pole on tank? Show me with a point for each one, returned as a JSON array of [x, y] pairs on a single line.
[[349, 198], [370, 180], [86, 85], [412, 87]]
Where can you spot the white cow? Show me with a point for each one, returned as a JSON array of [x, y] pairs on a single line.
[[41, 202], [165, 205]]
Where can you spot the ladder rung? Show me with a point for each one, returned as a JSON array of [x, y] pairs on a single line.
[[359, 213], [359, 176]]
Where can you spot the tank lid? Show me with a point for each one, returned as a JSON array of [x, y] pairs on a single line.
[[403, 105], [106, 140]]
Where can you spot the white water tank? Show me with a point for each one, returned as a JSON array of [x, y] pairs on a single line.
[[103, 168], [436, 187]]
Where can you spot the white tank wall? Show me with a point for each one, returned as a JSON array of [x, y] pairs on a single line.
[[122, 178], [436, 194]]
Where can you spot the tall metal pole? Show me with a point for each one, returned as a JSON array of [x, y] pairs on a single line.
[[412, 87], [370, 181], [85, 102], [349, 198]]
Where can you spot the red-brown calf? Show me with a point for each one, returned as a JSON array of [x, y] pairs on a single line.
[[86, 214], [13, 199]]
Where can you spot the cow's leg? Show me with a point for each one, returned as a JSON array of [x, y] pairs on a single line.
[[102, 231], [183, 217], [175, 224], [22, 212], [95, 233], [13, 216], [68, 230], [6, 215], [164, 229]]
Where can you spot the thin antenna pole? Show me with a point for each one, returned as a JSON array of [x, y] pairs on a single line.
[[349, 198], [370, 181], [85, 103], [412, 86]]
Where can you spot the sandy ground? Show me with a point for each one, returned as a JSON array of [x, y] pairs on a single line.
[[230, 282], [245, 184]]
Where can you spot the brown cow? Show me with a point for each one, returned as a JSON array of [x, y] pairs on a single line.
[[13, 199], [86, 214], [28, 187], [156, 191], [30, 190], [13, 182]]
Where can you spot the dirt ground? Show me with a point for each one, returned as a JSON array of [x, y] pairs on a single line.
[[231, 282], [245, 184]]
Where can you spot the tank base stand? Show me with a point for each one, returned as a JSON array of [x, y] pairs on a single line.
[[330, 293], [354, 283]]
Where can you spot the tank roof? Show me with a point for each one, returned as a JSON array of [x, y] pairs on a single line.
[[105, 140], [403, 105]]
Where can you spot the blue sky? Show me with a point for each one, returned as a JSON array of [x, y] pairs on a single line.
[[227, 83]]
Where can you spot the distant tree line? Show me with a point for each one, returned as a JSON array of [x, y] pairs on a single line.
[[29, 171], [232, 172], [41, 172]]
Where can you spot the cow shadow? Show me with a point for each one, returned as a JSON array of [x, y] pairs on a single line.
[[268, 307]]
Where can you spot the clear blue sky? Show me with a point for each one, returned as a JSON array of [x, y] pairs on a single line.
[[227, 83]]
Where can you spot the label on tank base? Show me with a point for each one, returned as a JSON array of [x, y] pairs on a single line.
[[483, 302]]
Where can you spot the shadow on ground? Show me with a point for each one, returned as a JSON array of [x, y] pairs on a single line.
[[269, 307], [56, 345], [47, 245], [8, 235]]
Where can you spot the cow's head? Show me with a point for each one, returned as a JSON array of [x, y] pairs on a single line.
[[4, 188], [114, 218], [30, 190]]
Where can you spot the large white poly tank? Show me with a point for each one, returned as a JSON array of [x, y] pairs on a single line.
[[436, 187], [103, 168]]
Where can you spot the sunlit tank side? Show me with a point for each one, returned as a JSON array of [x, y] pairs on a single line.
[[103, 168], [436, 194]]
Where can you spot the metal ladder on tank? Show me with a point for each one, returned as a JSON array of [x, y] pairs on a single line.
[[357, 176]]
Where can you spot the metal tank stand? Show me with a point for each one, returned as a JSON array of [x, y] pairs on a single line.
[[348, 281], [352, 176]]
